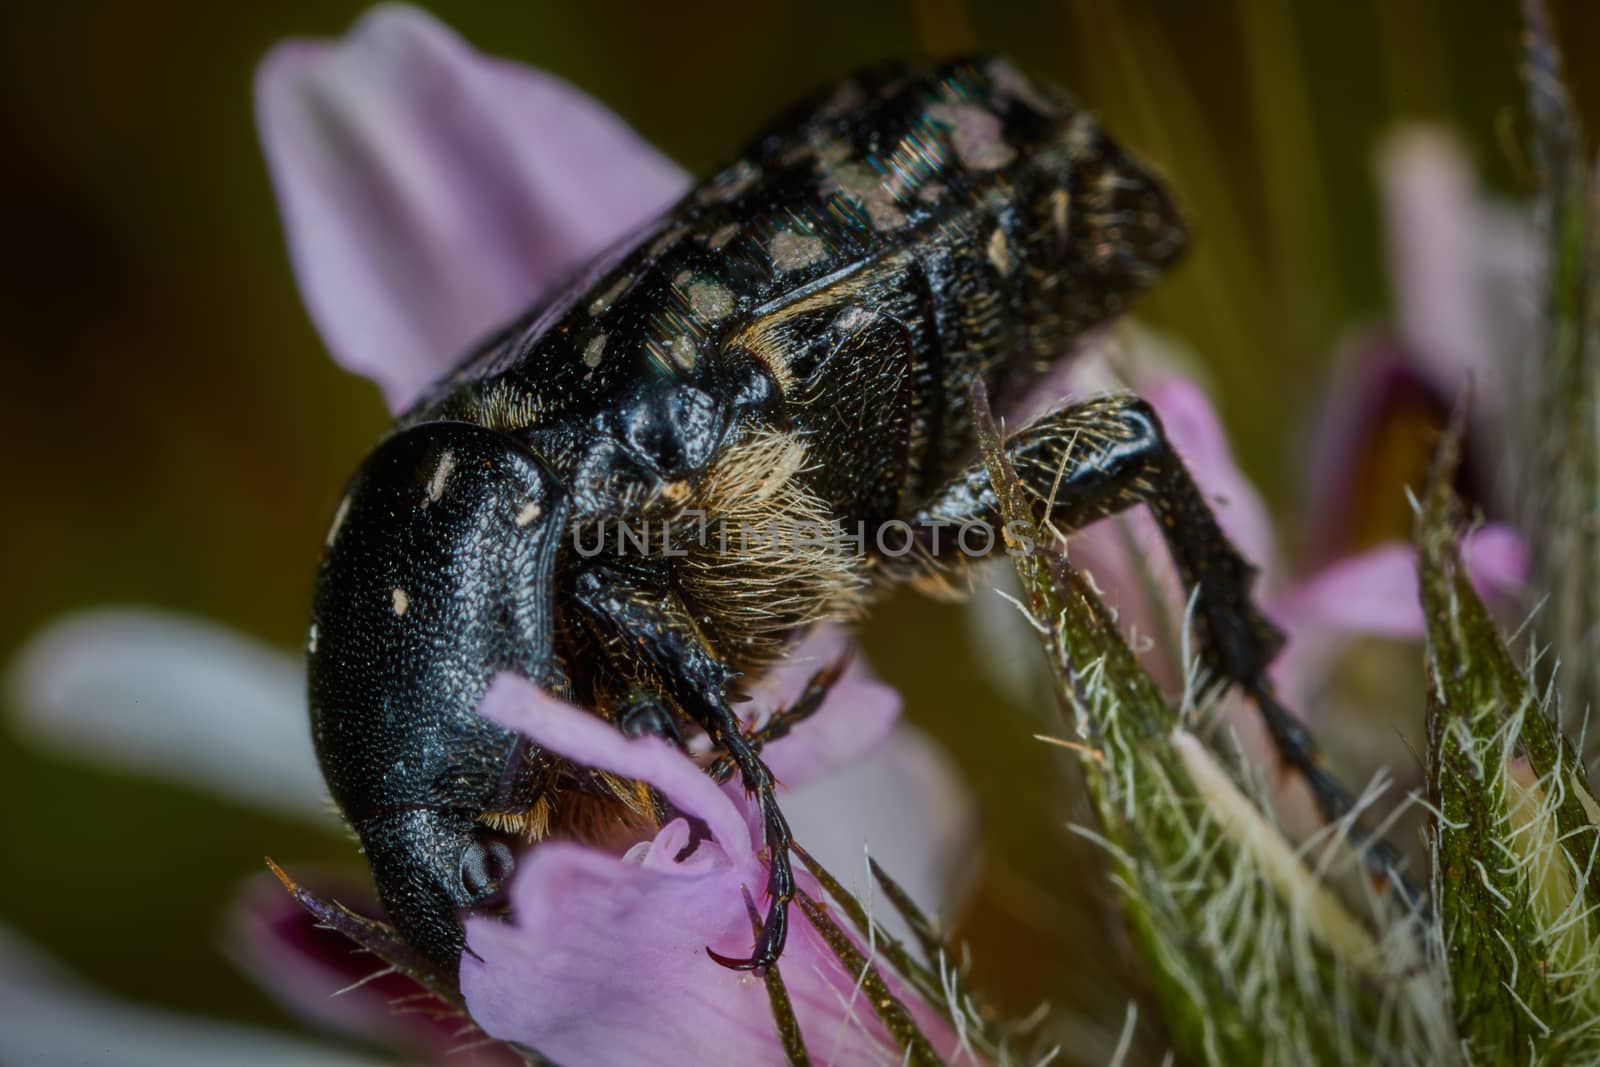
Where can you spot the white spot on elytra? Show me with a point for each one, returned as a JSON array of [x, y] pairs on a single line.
[[1060, 208], [852, 319], [338, 521], [999, 253], [722, 236], [599, 304], [709, 300], [792, 251], [872, 191], [683, 351], [311, 640], [441, 475], [730, 184], [401, 601], [1080, 135], [977, 135], [529, 512], [845, 99], [1012, 83], [594, 351], [666, 241]]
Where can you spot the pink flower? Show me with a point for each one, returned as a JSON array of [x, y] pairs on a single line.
[[605, 961], [1466, 274], [429, 194]]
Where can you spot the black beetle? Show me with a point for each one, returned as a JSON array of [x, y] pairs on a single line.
[[797, 340]]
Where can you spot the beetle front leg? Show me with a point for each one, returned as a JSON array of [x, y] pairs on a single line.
[[652, 623]]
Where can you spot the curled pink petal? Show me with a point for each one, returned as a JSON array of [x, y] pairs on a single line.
[[856, 717], [604, 960], [1376, 594], [590, 741], [1431, 206], [429, 194], [605, 963]]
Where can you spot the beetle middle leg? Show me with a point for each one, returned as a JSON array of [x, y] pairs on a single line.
[[645, 714], [782, 721], [647, 619]]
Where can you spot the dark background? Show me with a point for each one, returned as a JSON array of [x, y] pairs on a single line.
[[178, 436]]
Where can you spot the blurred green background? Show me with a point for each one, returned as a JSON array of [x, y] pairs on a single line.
[[178, 436]]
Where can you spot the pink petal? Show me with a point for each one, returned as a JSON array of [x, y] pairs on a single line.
[[429, 194], [854, 720], [590, 741], [1430, 202], [1498, 562], [606, 964], [176, 697], [903, 804], [1466, 276], [1376, 594]]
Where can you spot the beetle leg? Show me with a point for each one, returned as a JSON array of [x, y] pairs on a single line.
[[645, 714], [1095, 459], [805, 705], [652, 623]]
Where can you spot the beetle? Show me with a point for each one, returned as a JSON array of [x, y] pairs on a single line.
[[797, 339]]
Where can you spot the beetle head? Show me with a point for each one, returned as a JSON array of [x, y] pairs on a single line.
[[438, 574], [429, 865]]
